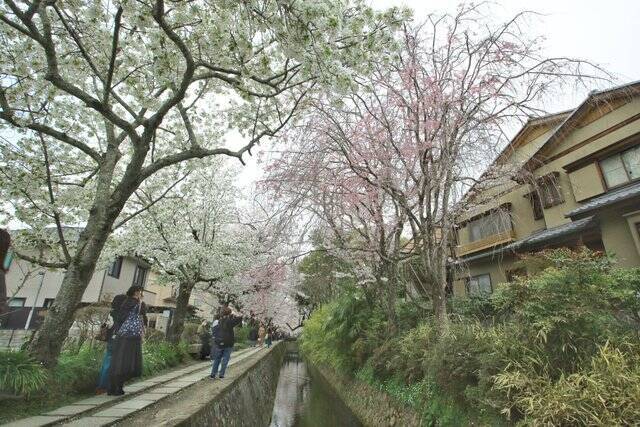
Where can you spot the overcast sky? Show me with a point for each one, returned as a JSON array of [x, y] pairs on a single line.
[[605, 32]]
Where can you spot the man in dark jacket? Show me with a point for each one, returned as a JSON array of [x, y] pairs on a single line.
[[224, 339]]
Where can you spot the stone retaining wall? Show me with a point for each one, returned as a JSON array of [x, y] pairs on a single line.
[[371, 406], [243, 398]]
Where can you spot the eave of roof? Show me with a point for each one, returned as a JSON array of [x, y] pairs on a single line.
[[619, 195], [594, 97], [514, 143], [536, 240]]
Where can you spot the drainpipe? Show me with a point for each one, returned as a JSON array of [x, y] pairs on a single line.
[[33, 307], [104, 277]]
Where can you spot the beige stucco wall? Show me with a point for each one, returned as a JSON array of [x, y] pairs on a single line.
[[113, 286], [100, 286], [617, 237], [617, 232], [555, 215], [51, 282], [603, 123], [497, 268]]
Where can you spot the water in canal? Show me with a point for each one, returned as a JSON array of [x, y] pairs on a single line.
[[305, 400]]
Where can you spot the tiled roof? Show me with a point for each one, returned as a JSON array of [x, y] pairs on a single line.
[[536, 239], [607, 199]]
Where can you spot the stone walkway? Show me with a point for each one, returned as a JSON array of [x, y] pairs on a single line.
[[105, 410]]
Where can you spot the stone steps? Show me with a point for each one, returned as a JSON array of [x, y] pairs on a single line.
[[105, 410]]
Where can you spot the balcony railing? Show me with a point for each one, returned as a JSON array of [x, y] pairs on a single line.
[[487, 242]]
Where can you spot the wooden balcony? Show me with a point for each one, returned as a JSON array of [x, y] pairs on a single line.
[[485, 243]]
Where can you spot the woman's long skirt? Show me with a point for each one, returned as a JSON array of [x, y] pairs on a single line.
[[126, 362]]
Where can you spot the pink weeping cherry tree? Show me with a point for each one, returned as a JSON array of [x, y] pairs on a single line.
[[417, 130]]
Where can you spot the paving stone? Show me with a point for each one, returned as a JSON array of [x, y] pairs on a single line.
[[167, 389], [182, 384], [154, 397], [114, 412], [134, 404], [41, 420], [196, 377], [93, 421], [71, 410], [139, 386], [167, 377], [97, 400]]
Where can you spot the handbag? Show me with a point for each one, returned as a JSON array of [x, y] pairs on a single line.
[[103, 333], [105, 329], [132, 326]]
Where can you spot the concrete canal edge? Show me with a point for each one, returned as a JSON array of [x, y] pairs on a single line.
[[371, 406], [244, 397]]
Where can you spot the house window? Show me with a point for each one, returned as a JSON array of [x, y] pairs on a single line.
[[550, 190], [479, 285], [140, 276], [496, 222], [536, 205], [16, 302], [115, 268], [622, 167], [48, 302]]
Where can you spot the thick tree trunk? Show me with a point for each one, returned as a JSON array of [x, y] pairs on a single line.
[[180, 313], [439, 301], [387, 281], [48, 340]]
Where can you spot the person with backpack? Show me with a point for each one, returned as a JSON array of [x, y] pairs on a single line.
[[269, 338], [5, 262], [223, 339], [128, 330], [106, 335], [253, 335]]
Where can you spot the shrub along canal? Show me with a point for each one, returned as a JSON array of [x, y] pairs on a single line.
[[305, 399]]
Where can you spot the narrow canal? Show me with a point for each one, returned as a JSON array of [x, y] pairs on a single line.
[[306, 400]]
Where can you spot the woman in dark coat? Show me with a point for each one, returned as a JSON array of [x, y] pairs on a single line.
[[126, 358], [5, 262]]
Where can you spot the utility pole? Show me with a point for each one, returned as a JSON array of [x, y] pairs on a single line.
[[33, 307]]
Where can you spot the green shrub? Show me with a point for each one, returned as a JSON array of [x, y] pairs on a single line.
[[153, 335], [162, 355], [570, 308], [455, 361], [319, 343], [190, 333], [474, 308], [560, 347], [607, 392], [78, 370], [20, 374], [242, 334]]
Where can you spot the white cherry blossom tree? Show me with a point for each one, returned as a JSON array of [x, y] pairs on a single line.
[[98, 96]]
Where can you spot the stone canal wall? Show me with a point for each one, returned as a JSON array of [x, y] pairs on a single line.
[[371, 406], [243, 398]]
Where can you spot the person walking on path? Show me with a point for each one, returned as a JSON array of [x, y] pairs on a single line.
[[5, 261], [224, 340], [261, 334], [126, 358], [253, 335], [205, 339], [103, 380], [269, 337]]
